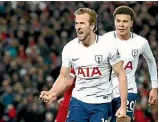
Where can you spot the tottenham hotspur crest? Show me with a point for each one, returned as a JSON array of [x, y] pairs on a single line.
[[134, 53], [98, 58], [118, 54]]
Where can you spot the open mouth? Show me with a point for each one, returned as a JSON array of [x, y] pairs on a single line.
[[80, 32], [121, 29]]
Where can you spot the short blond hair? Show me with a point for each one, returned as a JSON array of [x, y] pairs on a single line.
[[93, 15]]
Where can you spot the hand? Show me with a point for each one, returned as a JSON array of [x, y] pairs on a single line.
[[153, 96], [48, 96], [121, 112], [60, 100], [124, 119]]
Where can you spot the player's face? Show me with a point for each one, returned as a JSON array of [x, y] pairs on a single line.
[[82, 26], [123, 23]]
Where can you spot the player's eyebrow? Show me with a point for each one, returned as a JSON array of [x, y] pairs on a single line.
[[79, 22], [118, 20], [122, 20], [125, 20]]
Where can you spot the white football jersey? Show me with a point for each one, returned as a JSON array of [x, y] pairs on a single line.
[[129, 51], [92, 67]]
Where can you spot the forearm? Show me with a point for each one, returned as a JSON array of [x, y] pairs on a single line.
[[59, 86], [153, 72], [123, 89], [151, 65], [155, 89]]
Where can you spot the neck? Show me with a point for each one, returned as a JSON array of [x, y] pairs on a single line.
[[124, 37], [89, 40]]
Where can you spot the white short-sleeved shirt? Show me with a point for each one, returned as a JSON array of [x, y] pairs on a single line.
[[92, 67], [129, 51]]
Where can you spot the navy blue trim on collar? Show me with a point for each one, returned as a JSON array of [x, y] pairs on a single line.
[[132, 35], [97, 39], [114, 34]]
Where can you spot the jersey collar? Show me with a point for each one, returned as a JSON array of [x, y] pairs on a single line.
[[96, 41], [131, 36]]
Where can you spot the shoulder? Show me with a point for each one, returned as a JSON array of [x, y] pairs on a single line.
[[139, 39], [106, 42], [71, 44], [109, 37], [110, 34]]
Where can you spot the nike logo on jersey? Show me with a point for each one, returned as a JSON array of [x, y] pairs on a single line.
[[130, 89], [75, 59]]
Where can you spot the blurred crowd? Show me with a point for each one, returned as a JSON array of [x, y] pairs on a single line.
[[32, 36]]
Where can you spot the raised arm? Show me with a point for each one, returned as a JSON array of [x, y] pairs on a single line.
[[62, 82], [60, 85]]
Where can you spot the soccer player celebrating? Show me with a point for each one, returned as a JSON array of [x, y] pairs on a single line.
[[92, 58], [130, 46]]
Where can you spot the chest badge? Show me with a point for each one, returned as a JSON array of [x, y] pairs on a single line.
[[134, 53], [98, 58]]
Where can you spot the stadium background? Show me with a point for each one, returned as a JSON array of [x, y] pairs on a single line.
[[32, 35]]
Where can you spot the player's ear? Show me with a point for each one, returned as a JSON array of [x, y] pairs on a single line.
[[131, 23], [93, 27], [114, 22]]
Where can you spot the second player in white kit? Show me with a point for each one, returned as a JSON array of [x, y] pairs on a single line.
[[130, 50], [130, 46]]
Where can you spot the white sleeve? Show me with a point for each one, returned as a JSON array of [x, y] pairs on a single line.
[[147, 53], [114, 56], [65, 57]]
